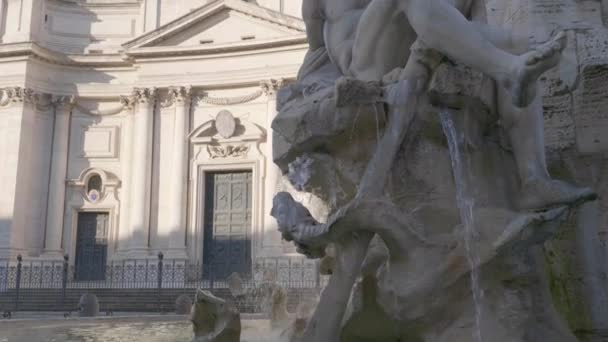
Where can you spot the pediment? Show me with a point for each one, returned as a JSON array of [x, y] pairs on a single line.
[[221, 22]]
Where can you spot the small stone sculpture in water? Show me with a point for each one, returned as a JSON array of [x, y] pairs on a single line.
[[360, 130], [183, 305], [294, 328], [88, 305], [278, 311], [214, 319], [236, 285]]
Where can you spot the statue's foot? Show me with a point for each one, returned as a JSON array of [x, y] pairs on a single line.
[[529, 67], [542, 194]]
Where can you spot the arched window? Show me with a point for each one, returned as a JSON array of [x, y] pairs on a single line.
[[94, 187]]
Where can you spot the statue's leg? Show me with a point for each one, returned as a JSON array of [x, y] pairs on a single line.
[[503, 39], [525, 127], [382, 42], [442, 27]]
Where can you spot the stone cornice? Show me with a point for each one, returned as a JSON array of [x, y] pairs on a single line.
[[100, 3], [31, 49], [139, 95], [228, 101], [129, 58], [243, 47]]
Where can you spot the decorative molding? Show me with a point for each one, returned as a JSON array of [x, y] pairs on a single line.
[[126, 103], [225, 124], [104, 141], [228, 151], [204, 98], [109, 183]]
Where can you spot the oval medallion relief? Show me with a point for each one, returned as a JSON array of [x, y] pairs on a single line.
[[225, 124]]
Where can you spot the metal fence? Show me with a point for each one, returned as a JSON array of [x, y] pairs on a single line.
[[19, 278]]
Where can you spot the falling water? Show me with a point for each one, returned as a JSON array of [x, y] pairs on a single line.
[[466, 204]]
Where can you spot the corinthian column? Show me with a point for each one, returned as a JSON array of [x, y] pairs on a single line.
[[141, 170], [271, 238], [57, 181], [181, 97]]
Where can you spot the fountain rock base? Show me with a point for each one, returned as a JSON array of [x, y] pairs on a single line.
[[427, 275], [214, 319]]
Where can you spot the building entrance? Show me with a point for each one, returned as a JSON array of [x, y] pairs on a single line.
[[91, 246], [227, 237]]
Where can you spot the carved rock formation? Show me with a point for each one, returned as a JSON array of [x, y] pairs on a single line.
[[214, 319]]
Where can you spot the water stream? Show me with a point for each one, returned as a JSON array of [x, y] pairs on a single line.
[[466, 205]]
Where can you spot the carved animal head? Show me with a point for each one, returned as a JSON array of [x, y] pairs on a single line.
[[289, 213]]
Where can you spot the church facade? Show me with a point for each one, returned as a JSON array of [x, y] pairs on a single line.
[[133, 127]]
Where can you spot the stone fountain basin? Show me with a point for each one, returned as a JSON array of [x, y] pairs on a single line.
[[141, 328]]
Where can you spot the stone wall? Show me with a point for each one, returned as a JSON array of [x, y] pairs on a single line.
[[576, 124]]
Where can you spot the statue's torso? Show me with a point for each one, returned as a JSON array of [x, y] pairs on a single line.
[[341, 22]]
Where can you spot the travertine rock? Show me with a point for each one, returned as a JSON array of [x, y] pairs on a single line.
[[214, 319], [439, 202]]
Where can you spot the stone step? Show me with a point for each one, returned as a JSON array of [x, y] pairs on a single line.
[[138, 300]]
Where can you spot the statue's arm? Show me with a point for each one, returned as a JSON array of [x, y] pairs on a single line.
[[314, 21]]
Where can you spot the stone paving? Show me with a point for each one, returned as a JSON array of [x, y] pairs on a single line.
[[115, 329]]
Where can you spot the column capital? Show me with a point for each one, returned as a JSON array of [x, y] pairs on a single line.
[[127, 102], [180, 95], [15, 95], [64, 103], [144, 95], [19, 95], [271, 86]]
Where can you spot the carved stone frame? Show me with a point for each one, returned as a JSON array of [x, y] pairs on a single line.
[[77, 202], [202, 162]]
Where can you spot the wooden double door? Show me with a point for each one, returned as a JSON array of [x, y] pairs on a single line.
[[91, 246], [227, 224]]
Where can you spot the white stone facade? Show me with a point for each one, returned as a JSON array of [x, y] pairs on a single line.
[[127, 92]]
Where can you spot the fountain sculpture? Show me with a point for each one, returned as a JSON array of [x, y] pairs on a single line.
[[433, 172], [214, 319]]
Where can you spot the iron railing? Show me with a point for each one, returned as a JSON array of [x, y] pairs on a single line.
[[19, 278]]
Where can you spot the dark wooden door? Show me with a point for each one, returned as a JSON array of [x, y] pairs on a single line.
[[91, 246], [227, 237]]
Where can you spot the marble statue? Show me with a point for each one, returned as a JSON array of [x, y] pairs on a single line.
[[350, 30], [438, 193], [214, 319]]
